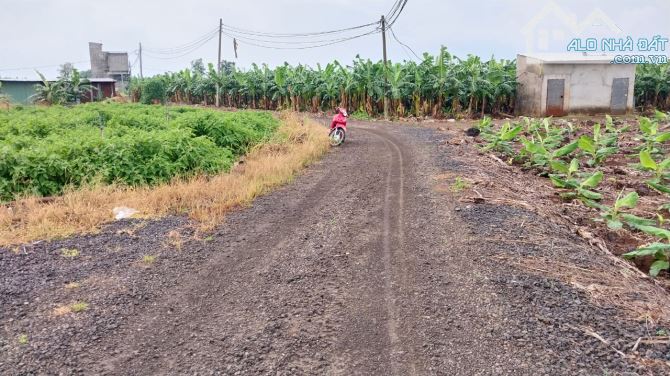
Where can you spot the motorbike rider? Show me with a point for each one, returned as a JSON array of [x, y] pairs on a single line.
[[340, 118]]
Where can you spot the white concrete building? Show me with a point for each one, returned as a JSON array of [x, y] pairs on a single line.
[[558, 84]]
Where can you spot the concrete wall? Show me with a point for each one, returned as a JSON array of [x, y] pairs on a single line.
[[529, 85], [117, 62], [98, 60], [19, 91], [109, 65], [588, 86]]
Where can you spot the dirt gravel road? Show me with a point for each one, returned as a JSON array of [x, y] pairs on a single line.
[[362, 266]]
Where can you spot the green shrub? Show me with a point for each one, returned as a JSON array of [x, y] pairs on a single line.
[[43, 150], [153, 90]]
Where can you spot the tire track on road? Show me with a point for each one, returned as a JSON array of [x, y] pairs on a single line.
[[394, 256]]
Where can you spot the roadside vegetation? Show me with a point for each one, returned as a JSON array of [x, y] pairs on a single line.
[[618, 169], [45, 150], [204, 197], [4, 99], [70, 87]]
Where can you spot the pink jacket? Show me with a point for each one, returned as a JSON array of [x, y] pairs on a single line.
[[339, 119]]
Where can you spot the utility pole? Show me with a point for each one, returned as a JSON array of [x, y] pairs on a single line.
[[218, 63], [386, 105], [141, 73]]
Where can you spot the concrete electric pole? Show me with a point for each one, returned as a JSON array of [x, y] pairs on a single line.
[[218, 63], [386, 105], [141, 72]]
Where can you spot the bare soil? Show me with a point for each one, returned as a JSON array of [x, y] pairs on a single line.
[[369, 263]]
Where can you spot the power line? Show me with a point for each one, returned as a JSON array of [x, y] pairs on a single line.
[[403, 44], [300, 44], [183, 53], [244, 41], [397, 13], [234, 29], [183, 47], [39, 67], [392, 16], [137, 58], [394, 9], [295, 42], [282, 41]]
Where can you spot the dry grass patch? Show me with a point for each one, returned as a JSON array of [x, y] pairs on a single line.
[[132, 231], [174, 240], [62, 310], [72, 285], [72, 308], [296, 144], [625, 288]]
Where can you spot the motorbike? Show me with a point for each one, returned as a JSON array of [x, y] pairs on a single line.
[[338, 127]]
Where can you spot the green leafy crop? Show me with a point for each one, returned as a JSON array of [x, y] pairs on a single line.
[[659, 250], [599, 146], [660, 170], [44, 150], [651, 136], [580, 188], [614, 215], [501, 140]]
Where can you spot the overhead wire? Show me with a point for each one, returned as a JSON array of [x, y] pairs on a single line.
[[297, 42], [137, 58], [182, 53], [393, 9], [394, 17], [283, 41], [403, 44], [39, 67], [280, 41], [184, 47], [294, 35], [244, 40]]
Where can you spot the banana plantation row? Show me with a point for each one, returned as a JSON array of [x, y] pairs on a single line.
[[432, 87], [429, 87]]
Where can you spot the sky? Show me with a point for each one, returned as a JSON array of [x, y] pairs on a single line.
[[41, 34]]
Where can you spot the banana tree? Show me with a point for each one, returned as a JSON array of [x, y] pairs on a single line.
[[442, 79], [398, 85], [49, 92], [329, 87]]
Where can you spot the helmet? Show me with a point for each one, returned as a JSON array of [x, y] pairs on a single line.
[[342, 111]]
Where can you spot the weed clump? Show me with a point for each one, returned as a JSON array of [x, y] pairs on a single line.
[[459, 185], [79, 307], [69, 252], [23, 339]]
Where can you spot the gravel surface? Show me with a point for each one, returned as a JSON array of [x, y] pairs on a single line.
[[361, 266]]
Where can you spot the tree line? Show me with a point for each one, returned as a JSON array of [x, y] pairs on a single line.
[[431, 87], [436, 85]]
